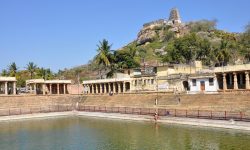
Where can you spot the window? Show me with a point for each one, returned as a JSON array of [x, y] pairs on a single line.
[[211, 81], [194, 82]]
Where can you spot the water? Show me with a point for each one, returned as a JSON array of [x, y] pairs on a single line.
[[79, 133]]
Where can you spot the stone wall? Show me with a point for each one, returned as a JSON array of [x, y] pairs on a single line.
[[35, 101], [218, 102], [75, 89]]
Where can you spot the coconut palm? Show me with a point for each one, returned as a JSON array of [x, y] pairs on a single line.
[[12, 69], [104, 56], [41, 72], [31, 67]]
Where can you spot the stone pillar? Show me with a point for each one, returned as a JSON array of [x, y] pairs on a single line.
[[58, 89], [235, 81], [6, 88], [87, 89], [124, 87], [35, 88], [43, 86], [109, 85], [98, 88], [224, 82], [105, 88], [119, 87], [215, 81], [247, 80], [64, 89], [114, 90], [14, 88], [101, 88], [50, 88], [91, 89]]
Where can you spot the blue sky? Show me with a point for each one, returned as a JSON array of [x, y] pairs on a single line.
[[60, 34]]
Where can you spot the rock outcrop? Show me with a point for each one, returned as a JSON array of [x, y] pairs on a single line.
[[155, 29]]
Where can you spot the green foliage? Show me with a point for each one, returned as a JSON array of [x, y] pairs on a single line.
[[4, 73], [169, 35], [45, 74], [104, 56], [245, 43], [203, 25], [31, 67], [12, 69], [126, 59], [184, 50]]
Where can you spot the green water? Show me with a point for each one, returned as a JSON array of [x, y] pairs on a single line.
[[79, 133]]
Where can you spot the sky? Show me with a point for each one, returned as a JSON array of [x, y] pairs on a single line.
[[60, 34]]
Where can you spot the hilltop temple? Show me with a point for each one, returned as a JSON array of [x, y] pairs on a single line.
[[174, 17]]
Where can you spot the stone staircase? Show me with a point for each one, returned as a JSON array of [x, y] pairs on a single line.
[[218, 102], [34, 101]]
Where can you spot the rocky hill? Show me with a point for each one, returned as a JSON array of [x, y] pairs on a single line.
[[172, 41]]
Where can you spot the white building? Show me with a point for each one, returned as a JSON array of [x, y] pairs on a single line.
[[203, 83]]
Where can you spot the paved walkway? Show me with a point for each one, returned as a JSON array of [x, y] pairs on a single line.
[[37, 115], [238, 125]]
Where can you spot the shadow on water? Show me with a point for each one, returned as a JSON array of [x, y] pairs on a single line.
[[73, 133]]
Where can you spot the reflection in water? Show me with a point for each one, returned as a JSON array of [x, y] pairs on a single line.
[[73, 133]]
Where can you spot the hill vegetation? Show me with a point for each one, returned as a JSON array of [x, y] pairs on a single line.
[[199, 40], [155, 44]]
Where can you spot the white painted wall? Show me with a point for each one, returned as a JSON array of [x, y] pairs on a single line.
[[208, 88]]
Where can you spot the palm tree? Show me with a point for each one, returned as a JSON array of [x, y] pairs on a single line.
[[41, 72], [104, 55], [31, 67], [12, 69]]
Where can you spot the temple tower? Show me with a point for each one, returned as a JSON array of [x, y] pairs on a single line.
[[174, 17]]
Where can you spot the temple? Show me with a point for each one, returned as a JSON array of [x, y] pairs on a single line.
[[174, 17], [8, 85], [234, 77], [130, 81], [47, 87]]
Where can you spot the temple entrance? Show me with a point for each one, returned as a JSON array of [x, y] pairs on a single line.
[[185, 85]]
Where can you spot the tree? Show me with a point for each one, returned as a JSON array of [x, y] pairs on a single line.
[[31, 67], [4, 72], [12, 69], [142, 54], [222, 53], [104, 56], [203, 25], [245, 43], [125, 59]]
